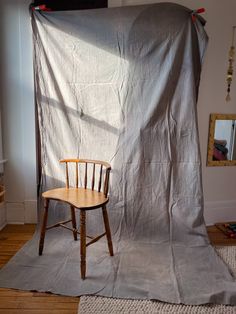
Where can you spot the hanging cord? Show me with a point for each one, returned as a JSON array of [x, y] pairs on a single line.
[[230, 68]]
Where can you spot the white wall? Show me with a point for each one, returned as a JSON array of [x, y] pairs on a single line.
[[2, 207], [16, 82], [17, 102]]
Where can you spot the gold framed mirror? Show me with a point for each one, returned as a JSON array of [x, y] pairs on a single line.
[[222, 140]]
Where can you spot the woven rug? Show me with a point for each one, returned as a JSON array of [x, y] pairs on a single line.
[[97, 305]]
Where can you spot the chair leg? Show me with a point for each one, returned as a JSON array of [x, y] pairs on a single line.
[[107, 228], [73, 222], [83, 243], [44, 225]]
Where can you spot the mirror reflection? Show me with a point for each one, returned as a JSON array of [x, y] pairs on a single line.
[[222, 140]]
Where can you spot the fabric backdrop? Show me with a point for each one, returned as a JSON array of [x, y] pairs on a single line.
[[121, 85]]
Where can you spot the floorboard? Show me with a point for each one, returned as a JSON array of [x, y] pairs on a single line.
[[12, 238]]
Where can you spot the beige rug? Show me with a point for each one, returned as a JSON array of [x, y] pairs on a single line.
[[97, 305]]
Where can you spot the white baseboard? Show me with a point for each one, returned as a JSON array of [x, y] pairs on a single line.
[[15, 213], [3, 225], [220, 211], [31, 212], [21, 213], [3, 221]]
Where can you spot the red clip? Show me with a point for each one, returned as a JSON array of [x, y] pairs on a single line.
[[201, 10], [41, 7], [194, 12]]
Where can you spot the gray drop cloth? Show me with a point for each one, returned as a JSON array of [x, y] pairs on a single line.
[[121, 85]]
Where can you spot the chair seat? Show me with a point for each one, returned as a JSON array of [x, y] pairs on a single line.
[[78, 197]]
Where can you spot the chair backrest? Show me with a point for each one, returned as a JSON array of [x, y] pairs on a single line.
[[95, 174]]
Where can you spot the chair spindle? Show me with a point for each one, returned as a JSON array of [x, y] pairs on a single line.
[[93, 178], [86, 175], [106, 183], [67, 176], [77, 175], [100, 180]]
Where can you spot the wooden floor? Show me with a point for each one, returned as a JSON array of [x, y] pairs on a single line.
[[218, 238], [12, 238]]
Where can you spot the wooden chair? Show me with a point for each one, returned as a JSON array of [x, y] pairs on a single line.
[[85, 197]]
